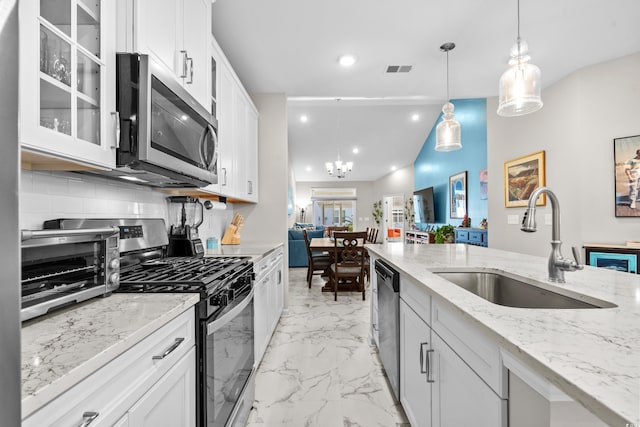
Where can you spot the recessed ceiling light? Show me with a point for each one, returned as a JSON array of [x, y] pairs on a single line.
[[393, 168], [347, 60], [308, 168], [356, 151], [304, 118], [415, 117]]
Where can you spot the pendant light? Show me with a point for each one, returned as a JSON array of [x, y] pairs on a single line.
[[448, 130], [520, 85]]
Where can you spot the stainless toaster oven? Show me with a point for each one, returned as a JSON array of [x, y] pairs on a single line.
[[64, 267]]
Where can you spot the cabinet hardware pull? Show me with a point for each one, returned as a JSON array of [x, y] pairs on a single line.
[[169, 350], [422, 370], [184, 64], [88, 417], [224, 176], [190, 61], [429, 380], [116, 116]]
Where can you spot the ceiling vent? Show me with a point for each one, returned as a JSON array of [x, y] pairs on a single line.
[[399, 68]]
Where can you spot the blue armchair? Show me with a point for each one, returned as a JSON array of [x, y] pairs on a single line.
[[297, 249]]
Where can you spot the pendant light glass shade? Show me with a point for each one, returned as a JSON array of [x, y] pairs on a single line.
[[520, 85], [448, 130]]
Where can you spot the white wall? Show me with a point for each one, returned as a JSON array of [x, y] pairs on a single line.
[[50, 195], [267, 220], [582, 114]]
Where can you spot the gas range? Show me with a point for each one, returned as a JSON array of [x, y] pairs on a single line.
[[217, 280], [145, 266]]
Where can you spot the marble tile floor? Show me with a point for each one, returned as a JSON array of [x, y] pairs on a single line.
[[319, 369]]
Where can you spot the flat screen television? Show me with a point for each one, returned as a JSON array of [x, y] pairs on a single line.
[[423, 206]]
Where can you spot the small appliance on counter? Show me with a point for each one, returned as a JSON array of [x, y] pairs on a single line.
[[64, 267], [186, 215]]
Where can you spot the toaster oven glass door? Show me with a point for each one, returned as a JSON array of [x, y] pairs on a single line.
[[54, 271]]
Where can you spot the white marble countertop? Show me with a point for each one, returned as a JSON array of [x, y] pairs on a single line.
[[255, 250], [61, 349], [593, 355]]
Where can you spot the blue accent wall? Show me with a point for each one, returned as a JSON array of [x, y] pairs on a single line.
[[433, 168]]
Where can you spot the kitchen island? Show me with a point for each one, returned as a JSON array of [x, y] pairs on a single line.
[[592, 355]]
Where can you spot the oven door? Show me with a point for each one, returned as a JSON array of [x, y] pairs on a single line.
[[227, 361]]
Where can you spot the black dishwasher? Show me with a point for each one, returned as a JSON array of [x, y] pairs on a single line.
[[389, 323]]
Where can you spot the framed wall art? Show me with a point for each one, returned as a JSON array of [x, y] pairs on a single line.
[[626, 157], [521, 177], [458, 195]]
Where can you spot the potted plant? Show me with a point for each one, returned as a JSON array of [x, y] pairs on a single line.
[[444, 233], [377, 212]]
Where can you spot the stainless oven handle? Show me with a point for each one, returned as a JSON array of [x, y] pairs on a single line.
[[40, 234], [229, 316]]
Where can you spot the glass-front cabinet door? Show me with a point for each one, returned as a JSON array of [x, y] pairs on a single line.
[[67, 79]]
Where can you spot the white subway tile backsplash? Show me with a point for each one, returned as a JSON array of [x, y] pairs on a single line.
[[81, 188], [50, 195], [31, 203], [50, 183], [66, 204], [26, 182]]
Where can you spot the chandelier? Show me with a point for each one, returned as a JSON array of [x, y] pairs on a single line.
[[341, 168]]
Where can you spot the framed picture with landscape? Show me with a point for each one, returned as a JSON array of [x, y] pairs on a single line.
[[521, 177], [458, 195], [626, 156]]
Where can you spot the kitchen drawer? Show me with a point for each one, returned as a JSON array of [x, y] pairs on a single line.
[[417, 297], [113, 389], [478, 350], [261, 266], [476, 237], [462, 236]]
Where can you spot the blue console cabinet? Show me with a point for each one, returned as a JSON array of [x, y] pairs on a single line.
[[472, 236]]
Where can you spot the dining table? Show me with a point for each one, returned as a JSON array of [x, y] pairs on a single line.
[[327, 244]]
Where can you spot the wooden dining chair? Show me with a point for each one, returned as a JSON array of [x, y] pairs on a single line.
[[332, 228], [319, 263], [348, 264], [372, 235]]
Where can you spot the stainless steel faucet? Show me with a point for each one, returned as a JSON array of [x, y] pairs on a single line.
[[557, 263]]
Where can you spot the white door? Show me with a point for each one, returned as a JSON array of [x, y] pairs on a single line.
[[460, 397], [171, 401], [159, 31], [415, 390]]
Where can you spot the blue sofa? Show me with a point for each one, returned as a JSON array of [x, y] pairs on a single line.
[[297, 249]]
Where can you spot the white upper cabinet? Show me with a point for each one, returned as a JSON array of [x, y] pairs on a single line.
[[237, 132], [67, 80], [176, 33]]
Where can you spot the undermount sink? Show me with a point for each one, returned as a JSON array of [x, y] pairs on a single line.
[[513, 291]]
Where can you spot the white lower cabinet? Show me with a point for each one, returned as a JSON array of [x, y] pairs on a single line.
[[415, 390], [150, 384], [268, 299], [459, 397], [171, 401], [437, 387]]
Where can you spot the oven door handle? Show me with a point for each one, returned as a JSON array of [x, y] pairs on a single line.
[[40, 234], [230, 315]]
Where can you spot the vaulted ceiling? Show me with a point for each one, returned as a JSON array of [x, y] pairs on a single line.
[[292, 47]]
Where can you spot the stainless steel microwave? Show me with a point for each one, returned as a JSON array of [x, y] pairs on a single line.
[[166, 138]]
